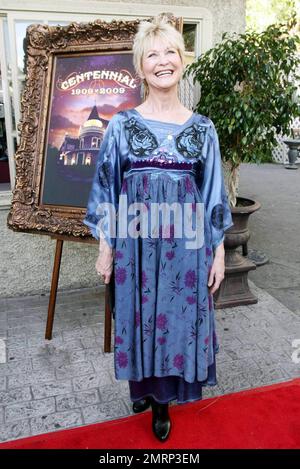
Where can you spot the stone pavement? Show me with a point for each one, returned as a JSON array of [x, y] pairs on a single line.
[[275, 228], [67, 382]]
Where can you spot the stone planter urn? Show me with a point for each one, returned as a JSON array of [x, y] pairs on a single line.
[[234, 289], [293, 153]]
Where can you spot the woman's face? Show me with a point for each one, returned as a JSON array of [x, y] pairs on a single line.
[[161, 65]]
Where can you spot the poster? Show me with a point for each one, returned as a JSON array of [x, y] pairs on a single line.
[[86, 91]]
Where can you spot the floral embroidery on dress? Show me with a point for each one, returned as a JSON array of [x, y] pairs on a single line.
[[121, 359], [92, 218], [191, 140], [120, 275], [140, 140], [106, 174], [190, 279], [161, 322], [178, 361], [164, 314], [217, 216]]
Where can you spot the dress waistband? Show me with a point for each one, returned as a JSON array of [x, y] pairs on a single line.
[[162, 165]]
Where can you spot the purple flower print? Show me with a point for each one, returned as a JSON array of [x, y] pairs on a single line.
[[144, 279], [191, 300], [161, 322], [145, 207], [167, 233], [188, 185], [161, 340], [118, 340], [118, 255], [120, 275], [144, 299], [190, 279], [122, 359], [170, 255], [170, 239], [137, 319], [145, 182], [208, 252], [178, 361], [206, 340]]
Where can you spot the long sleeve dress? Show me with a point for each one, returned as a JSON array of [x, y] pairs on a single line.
[[165, 340]]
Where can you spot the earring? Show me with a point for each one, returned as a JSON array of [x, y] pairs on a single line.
[[142, 90]]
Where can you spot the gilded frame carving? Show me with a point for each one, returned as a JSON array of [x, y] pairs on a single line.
[[43, 43]]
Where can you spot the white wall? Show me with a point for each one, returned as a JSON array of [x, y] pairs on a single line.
[[27, 260]]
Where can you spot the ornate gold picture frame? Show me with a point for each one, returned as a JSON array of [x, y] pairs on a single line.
[[65, 110]]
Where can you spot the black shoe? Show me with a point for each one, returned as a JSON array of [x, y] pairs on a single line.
[[161, 424], [141, 405]]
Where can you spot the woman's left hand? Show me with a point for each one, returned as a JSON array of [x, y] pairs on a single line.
[[217, 274], [104, 263]]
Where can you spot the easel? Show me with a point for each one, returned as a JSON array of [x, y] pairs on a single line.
[[109, 291]]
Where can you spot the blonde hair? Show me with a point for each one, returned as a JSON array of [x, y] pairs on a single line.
[[159, 27]]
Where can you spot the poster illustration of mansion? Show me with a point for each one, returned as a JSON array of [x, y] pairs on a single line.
[[87, 89], [84, 149]]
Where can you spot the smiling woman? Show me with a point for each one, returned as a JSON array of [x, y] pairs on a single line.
[[163, 66], [161, 154], [143, 43], [161, 55]]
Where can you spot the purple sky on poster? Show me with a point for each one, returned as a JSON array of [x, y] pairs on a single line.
[[82, 81]]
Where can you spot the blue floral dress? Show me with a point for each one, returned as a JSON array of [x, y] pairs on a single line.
[[165, 339]]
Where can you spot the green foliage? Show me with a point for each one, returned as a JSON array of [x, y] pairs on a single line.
[[249, 90]]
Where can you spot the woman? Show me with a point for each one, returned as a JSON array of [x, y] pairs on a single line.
[[161, 153]]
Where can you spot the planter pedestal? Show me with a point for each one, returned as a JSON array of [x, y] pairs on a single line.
[[234, 289]]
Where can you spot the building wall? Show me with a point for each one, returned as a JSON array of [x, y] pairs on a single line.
[[228, 15], [27, 259], [27, 263]]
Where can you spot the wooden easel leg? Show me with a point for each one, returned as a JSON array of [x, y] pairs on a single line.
[[53, 292], [107, 324]]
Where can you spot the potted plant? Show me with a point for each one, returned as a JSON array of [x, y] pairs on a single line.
[[248, 89]]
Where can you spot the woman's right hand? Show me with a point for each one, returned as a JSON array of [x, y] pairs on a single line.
[[104, 263]]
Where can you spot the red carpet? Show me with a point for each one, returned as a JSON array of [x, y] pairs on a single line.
[[266, 418]]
